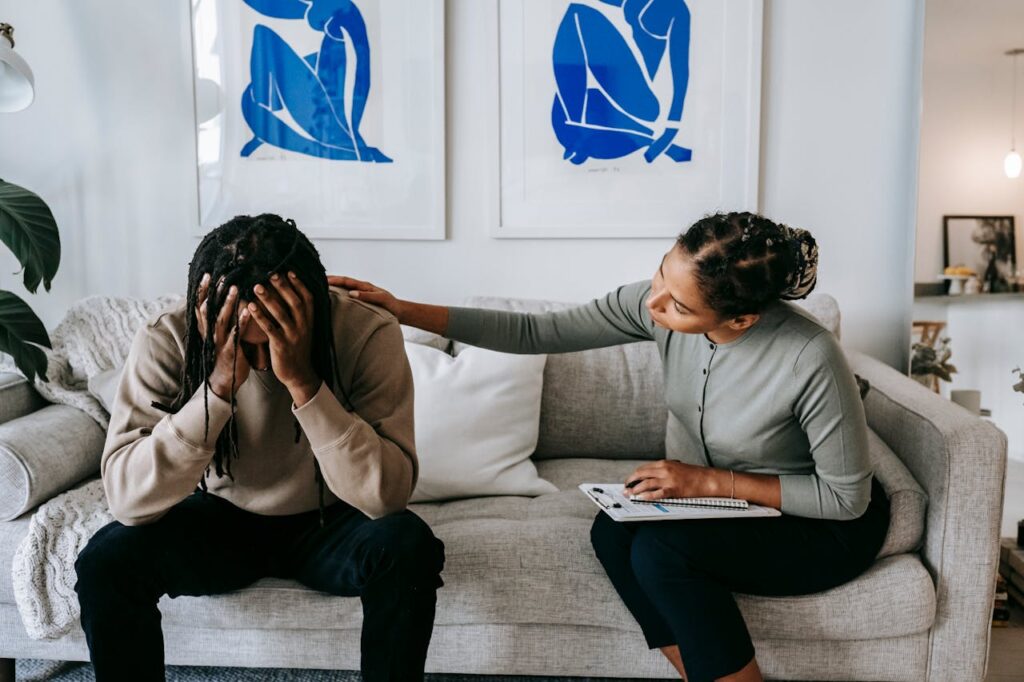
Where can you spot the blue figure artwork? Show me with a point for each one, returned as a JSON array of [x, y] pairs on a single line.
[[311, 89], [605, 106]]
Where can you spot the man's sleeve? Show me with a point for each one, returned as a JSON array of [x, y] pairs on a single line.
[[153, 459], [368, 456]]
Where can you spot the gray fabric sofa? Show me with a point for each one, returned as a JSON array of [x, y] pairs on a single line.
[[525, 595]]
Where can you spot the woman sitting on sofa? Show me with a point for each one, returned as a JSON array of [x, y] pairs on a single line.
[[300, 400], [762, 406]]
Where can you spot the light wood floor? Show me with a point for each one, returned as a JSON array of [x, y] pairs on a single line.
[[1006, 656], [1013, 502]]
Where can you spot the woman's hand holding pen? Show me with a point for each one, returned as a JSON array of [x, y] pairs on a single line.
[[671, 478]]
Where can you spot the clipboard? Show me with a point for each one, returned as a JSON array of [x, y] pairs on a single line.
[[611, 498]]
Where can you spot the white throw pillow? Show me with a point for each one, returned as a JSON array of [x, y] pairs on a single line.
[[414, 335], [477, 422]]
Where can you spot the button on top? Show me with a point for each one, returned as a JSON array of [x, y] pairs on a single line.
[[712, 346]]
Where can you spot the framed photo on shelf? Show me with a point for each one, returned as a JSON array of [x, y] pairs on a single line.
[[329, 112], [985, 244], [628, 119]]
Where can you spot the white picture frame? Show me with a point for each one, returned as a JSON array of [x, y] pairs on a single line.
[[269, 138], [535, 193]]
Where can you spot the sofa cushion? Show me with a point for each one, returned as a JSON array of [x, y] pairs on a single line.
[[476, 423], [529, 560], [906, 528], [44, 453], [17, 397], [608, 403], [907, 499], [580, 413]]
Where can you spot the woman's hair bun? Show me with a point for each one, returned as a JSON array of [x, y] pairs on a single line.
[[804, 275], [745, 261]]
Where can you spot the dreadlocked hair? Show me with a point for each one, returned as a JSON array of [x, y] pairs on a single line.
[[244, 252], [743, 262]]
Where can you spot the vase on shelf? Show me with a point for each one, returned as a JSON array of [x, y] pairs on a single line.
[[992, 282]]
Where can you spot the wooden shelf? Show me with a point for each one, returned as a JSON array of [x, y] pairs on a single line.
[[972, 298]]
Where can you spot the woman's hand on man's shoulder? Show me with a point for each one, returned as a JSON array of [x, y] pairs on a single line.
[[366, 292]]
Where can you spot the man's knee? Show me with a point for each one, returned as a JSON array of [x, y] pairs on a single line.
[[104, 562], [407, 543]]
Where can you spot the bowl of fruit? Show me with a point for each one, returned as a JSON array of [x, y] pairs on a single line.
[[956, 275]]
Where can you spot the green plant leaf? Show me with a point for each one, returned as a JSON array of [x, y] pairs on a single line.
[[28, 228], [19, 330]]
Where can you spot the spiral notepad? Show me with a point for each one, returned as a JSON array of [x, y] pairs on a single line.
[[718, 502]]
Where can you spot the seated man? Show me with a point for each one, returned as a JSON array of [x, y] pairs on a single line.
[[312, 456]]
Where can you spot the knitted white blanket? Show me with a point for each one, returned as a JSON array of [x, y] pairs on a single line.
[[43, 569], [94, 336]]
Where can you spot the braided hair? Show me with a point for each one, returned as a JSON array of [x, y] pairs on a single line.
[[743, 262], [246, 251]]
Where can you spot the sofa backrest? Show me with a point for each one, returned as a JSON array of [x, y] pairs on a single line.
[[609, 402]]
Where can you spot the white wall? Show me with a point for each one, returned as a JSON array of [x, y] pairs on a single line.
[[965, 133], [984, 360], [839, 154], [108, 144], [965, 124]]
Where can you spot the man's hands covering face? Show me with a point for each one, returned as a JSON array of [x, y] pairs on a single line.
[[229, 366], [287, 320]]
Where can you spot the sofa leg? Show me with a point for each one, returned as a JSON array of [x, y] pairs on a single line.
[[6, 670]]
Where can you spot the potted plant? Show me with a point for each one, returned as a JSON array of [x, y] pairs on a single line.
[[929, 364], [28, 229]]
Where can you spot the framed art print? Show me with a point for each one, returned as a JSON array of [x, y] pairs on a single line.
[[329, 112], [625, 118], [985, 244]]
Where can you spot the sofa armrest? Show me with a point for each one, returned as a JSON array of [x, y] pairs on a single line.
[[960, 461], [18, 397], [45, 453]]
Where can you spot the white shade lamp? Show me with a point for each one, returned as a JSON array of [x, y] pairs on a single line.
[[1012, 164], [17, 84]]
